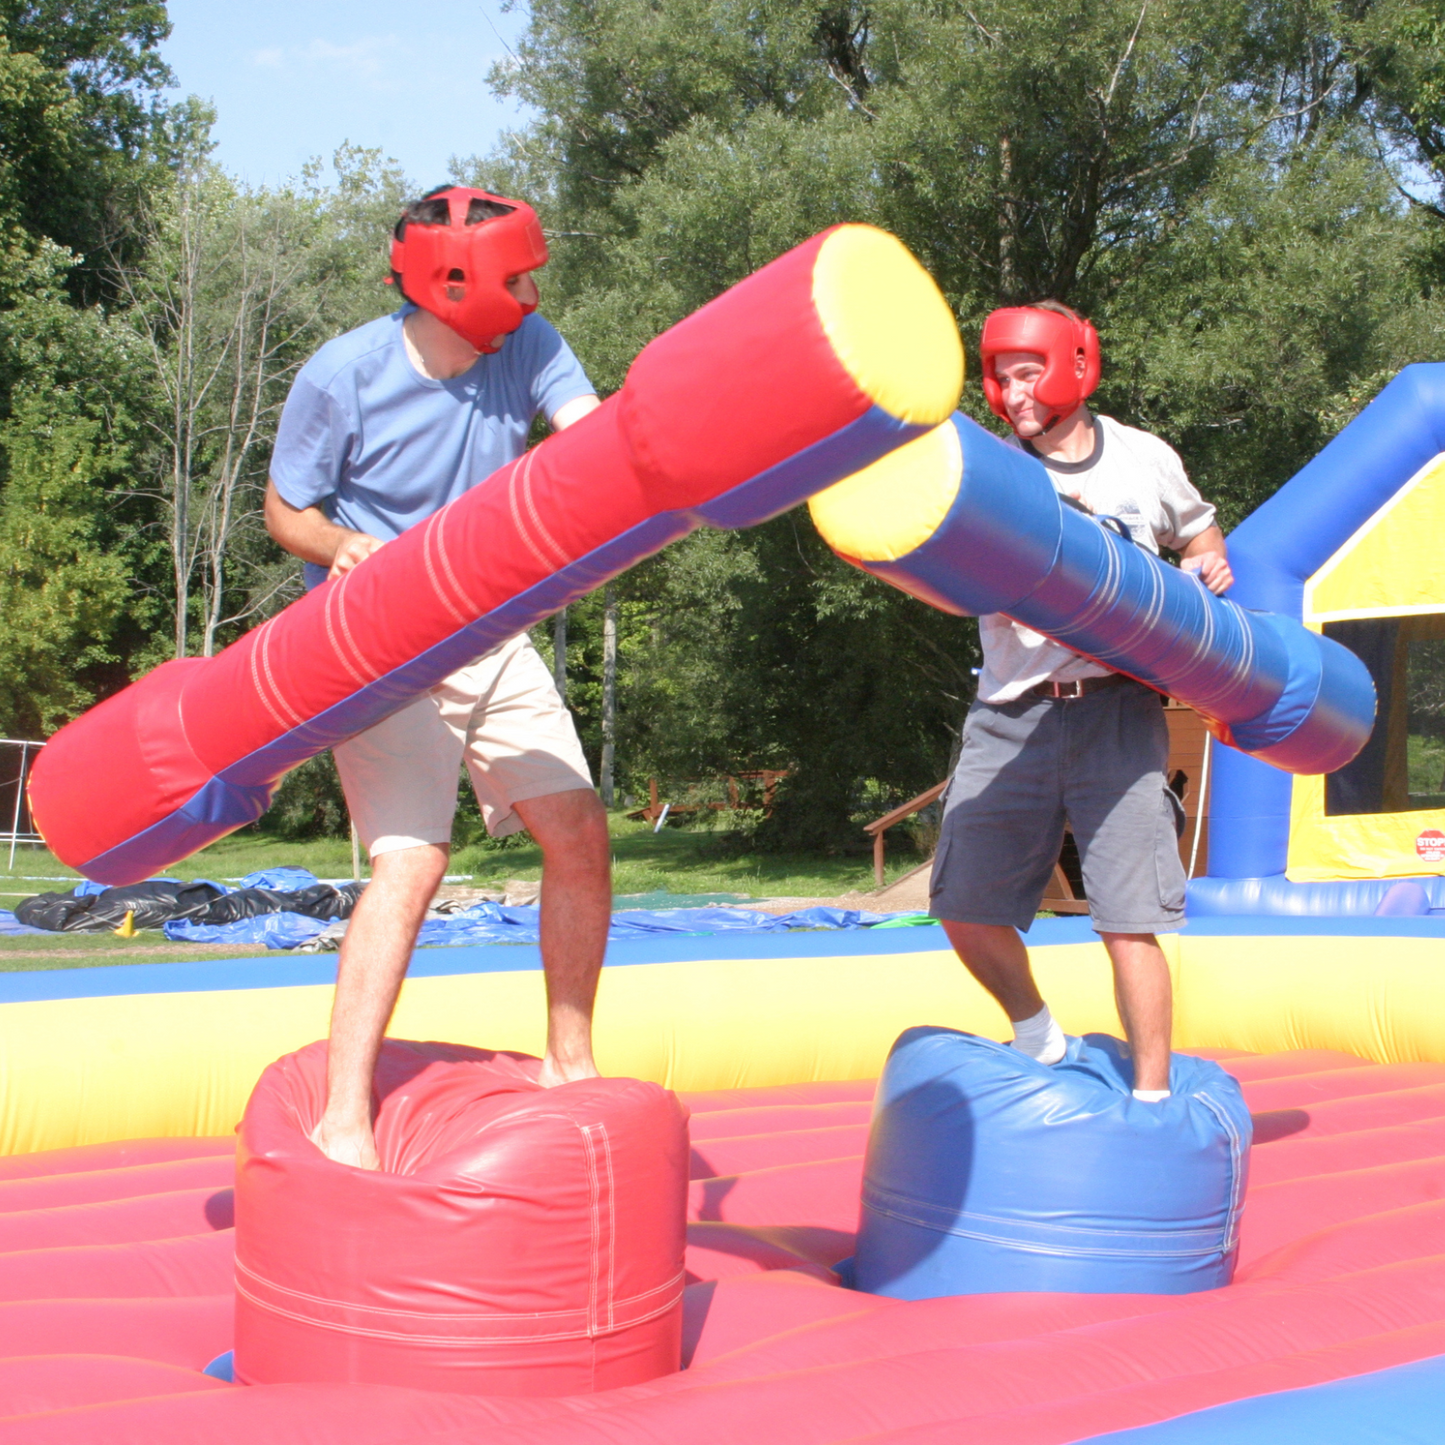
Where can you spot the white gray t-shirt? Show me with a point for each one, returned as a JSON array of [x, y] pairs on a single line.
[[1132, 476]]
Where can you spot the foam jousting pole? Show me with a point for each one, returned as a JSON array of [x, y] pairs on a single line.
[[825, 360], [971, 526]]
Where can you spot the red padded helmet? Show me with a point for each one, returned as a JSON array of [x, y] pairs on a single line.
[[1059, 339], [487, 253]]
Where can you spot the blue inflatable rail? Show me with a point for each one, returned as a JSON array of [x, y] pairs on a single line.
[[1402, 1406], [1279, 897]]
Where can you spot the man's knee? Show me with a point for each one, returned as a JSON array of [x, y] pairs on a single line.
[[418, 869], [979, 935], [573, 823]]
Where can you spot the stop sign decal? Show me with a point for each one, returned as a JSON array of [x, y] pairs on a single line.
[[1430, 845]]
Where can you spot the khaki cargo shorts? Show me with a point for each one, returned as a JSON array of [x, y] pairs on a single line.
[[500, 717]]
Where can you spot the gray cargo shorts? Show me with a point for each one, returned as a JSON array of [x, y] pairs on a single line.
[[1096, 762]]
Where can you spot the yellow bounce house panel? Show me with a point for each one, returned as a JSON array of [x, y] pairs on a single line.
[[1366, 845], [1404, 839], [1389, 569], [87, 1070], [1391, 566]]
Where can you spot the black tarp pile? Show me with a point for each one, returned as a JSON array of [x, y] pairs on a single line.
[[162, 900]]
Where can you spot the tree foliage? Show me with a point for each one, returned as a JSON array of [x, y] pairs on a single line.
[[1220, 186], [1246, 196], [61, 589], [84, 129], [233, 290], [152, 312]]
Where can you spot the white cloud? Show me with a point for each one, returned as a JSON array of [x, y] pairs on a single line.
[[370, 61], [360, 60]]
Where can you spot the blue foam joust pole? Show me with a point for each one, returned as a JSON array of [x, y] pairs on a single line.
[[1006, 542]]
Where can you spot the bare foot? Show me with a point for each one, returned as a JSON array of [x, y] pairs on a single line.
[[552, 1073], [356, 1148]]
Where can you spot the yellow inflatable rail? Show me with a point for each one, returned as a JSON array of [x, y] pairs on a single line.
[[90, 1055]]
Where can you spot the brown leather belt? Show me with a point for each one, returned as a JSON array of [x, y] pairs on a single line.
[[1060, 691]]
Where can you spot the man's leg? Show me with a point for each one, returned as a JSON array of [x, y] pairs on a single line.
[[529, 771], [1002, 826], [1145, 999], [995, 955], [571, 830], [1124, 824], [374, 955]]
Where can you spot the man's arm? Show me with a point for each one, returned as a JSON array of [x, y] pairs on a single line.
[[573, 411], [1207, 555], [308, 533]]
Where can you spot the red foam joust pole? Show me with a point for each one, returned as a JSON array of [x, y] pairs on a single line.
[[828, 358]]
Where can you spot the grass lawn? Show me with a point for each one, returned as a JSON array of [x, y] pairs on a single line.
[[678, 861], [91, 950], [693, 861]]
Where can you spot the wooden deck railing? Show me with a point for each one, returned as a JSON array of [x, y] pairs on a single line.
[[768, 777], [879, 826]]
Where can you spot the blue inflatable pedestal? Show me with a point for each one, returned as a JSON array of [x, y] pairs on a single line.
[[987, 1172]]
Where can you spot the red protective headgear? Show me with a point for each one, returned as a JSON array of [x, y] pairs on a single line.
[[1059, 339], [486, 254]]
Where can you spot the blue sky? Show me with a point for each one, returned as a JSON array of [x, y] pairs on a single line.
[[292, 79]]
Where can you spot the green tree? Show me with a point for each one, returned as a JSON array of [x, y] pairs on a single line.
[[61, 590], [84, 131], [1304, 283], [235, 290], [1211, 182], [763, 650]]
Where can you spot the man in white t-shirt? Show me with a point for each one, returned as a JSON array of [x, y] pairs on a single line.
[[1055, 738]]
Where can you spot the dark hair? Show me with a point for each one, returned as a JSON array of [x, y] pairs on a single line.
[[432, 210], [1058, 308]]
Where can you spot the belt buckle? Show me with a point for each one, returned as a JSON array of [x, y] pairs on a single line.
[[1068, 689]]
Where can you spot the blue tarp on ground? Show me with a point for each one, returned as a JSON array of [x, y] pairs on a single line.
[[498, 923], [280, 880], [275, 930], [10, 926], [486, 922]]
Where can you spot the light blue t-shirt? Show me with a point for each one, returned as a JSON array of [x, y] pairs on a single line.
[[380, 447]]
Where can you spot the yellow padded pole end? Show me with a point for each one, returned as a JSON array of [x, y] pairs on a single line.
[[893, 507], [888, 324]]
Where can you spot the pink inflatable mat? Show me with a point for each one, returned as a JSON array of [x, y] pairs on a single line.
[[106, 1320]]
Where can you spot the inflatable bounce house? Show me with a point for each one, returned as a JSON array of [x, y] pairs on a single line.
[[815, 1200], [1349, 547]]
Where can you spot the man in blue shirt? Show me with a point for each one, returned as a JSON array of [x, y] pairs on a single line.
[[382, 427]]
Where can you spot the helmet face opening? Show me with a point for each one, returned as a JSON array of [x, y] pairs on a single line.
[[458, 271], [1060, 340]]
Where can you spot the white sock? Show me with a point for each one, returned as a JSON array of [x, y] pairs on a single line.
[[1040, 1037], [1150, 1096]]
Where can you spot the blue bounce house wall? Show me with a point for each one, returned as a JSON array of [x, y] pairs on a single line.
[[1274, 552]]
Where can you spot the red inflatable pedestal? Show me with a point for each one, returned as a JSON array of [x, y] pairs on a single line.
[[517, 1240]]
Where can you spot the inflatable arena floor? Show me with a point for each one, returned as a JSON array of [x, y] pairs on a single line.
[[116, 1278], [116, 1239]]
